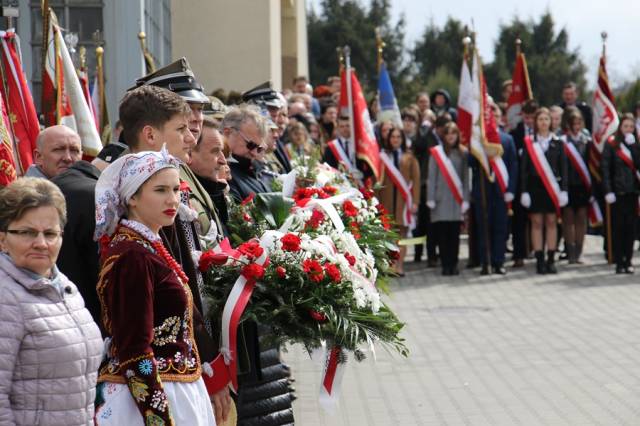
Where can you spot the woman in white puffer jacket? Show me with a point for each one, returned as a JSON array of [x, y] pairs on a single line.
[[50, 347]]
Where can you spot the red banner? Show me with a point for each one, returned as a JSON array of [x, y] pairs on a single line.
[[520, 92], [367, 148], [18, 101]]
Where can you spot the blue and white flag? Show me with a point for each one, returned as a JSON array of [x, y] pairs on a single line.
[[389, 110]]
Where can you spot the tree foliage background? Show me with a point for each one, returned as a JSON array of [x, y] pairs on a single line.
[[434, 60]]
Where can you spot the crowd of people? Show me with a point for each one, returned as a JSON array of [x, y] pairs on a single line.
[[119, 232]]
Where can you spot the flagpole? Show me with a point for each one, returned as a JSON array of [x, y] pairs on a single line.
[[380, 44], [340, 59], [604, 35], [347, 61]]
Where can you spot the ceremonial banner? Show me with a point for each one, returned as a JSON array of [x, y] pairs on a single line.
[[366, 146], [72, 107], [387, 102], [7, 158], [605, 118], [18, 101], [520, 93]]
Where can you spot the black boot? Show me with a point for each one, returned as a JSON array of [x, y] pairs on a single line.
[[540, 268], [572, 253], [485, 269], [551, 262]]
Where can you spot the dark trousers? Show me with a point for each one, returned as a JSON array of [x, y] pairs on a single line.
[[624, 215], [497, 231], [519, 230], [448, 242]]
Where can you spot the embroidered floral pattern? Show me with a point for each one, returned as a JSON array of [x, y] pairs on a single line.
[[138, 388], [153, 420], [167, 332], [146, 367], [159, 401]]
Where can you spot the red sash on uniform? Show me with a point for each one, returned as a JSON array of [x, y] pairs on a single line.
[[339, 154], [595, 215], [625, 155], [544, 171], [450, 175], [502, 175], [401, 185]]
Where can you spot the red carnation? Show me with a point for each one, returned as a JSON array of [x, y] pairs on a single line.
[[251, 248], [313, 269], [246, 217], [331, 190], [349, 209], [316, 218], [290, 242], [386, 224], [366, 193], [355, 230], [322, 194], [394, 254], [249, 199], [333, 272], [318, 316], [302, 193], [351, 259], [252, 271], [209, 258], [282, 273], [184, 186]]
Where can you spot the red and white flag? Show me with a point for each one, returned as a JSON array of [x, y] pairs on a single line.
[[63, 99], [605, 118], [84, 83], [449, 172], [18, 102], [366, 146], [520, 93]]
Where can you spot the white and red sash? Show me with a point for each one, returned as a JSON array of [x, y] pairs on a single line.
[[450, 175], [339, 154], [402, 186], [595, 215], [625, 155], [544, 171], [502, 175]]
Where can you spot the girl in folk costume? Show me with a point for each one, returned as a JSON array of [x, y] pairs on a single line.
[[400, 190], [544, 188], [619, 166], [577, 143], [448, 195], [152, 372]]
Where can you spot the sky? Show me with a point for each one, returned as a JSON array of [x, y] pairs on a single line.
[[584, 20]]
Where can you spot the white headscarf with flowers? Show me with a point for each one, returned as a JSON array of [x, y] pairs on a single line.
[[121, 180]]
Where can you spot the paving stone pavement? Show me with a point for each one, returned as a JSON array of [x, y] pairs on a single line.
[[522, 349]]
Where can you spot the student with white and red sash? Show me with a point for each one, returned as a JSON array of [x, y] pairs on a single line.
[[574, 215], [497, 201], [544, 188], [448, 195], [339, 152], [400, 191], [620, 167]]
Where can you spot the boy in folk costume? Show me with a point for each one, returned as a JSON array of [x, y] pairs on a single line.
[[544, 188], [400, 190], [448, 192]]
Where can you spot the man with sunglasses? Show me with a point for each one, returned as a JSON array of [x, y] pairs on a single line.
[[244, 132]]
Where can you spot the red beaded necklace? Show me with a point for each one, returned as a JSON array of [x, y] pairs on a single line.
[[171, 262]]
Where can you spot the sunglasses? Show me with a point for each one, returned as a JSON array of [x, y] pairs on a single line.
[[251, 145]]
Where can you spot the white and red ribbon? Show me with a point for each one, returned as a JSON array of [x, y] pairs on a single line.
[[502, 175], [332, 374], [595, 215], [450, 176], [544, 171], [233, 309], [401, 185], [625, 155], [340, 155]]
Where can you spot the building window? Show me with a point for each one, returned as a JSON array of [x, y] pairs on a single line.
[[83, 17]]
